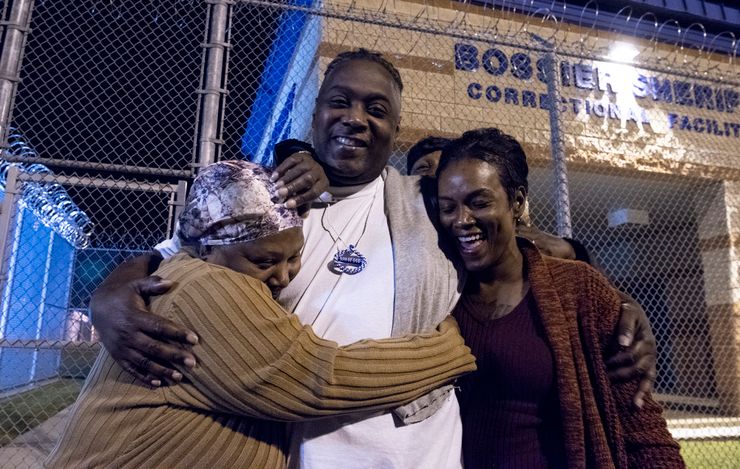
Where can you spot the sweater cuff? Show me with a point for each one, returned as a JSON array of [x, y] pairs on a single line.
[[423, 407]]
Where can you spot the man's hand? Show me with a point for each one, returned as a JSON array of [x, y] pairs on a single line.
[[140, 341], [549, 244], [300, 179], [638, 353]]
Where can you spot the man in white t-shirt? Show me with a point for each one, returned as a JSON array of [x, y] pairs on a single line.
[[352, 285], [355, 124], [372, 268]]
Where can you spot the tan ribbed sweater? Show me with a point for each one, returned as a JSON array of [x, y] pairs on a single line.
[[255, 361]]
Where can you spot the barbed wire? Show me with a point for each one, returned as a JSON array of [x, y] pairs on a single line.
[[591, 42], [48, 201]]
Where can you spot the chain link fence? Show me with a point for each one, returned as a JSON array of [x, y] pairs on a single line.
[[120, 101], [103, 126]]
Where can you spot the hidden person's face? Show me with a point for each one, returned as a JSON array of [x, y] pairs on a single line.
[[356, 122], [475, 212], [274, 259], [426, 165]]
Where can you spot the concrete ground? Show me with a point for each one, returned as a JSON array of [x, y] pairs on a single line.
[[29, 450]]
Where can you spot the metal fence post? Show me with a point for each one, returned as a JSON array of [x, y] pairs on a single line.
[[212, 93], [6, 213], [15, 22], [177, 203], [557, 148]]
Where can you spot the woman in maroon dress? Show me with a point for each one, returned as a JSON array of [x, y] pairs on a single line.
[[540, 328]]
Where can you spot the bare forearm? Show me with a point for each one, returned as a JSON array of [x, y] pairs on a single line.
[[139, 341]]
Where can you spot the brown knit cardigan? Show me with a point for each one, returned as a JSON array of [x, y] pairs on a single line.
[[579, 310]]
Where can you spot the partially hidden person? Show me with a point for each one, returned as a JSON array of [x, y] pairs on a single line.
[[423, 156]]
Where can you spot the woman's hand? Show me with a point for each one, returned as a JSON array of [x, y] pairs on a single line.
[[143, 344], [300, 179], [638, 352]]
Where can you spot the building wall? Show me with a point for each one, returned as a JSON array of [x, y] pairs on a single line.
[[437, 97], [35, 297], [720, 242], [630, 122]]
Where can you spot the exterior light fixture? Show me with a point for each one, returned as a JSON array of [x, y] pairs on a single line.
[[623, 52]]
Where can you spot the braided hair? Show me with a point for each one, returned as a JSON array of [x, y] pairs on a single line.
[[364, 54]]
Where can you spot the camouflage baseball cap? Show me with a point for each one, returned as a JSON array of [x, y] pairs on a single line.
[[233, 202]]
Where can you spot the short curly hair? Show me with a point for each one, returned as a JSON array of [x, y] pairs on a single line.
[[364, 54], [424, 147], [496, 148]]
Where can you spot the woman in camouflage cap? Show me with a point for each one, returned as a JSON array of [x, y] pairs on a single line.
[[233, 215]]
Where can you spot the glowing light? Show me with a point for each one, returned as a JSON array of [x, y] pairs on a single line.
[[623, 52]]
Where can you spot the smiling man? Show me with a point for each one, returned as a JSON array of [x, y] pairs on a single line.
[[406, 284], [377, 220]]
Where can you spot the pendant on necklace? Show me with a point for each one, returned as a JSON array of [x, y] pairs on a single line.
[[349, 261]]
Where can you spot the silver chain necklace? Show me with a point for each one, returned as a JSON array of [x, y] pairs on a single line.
[[348, 260]]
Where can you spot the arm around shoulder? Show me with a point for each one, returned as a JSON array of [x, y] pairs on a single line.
[[256, 359], [135, 338], [648, 443]]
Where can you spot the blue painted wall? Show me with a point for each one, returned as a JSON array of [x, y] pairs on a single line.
[[272, 117], [34, 302]]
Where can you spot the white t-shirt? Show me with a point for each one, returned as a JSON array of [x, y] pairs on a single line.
[[349, 308]]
